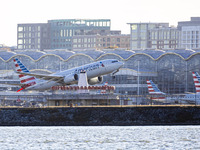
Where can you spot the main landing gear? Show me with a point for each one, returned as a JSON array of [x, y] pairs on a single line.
[[113, 74]]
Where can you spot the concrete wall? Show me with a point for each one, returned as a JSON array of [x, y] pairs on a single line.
[[93, 116]]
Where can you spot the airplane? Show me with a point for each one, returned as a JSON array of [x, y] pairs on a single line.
[[95, 72], [186, 98], [194, 97], [157, 95]]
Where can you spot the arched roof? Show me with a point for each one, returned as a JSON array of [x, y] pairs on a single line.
[[5, 55], [121, 52], [185, 53], [153, 53], [34, 54], [64, 54], [92, 53], [96, 54]]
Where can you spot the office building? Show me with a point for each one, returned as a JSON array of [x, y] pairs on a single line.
[[101, 41], [190, 33], [153, 35], [62, 31], [33, 36]]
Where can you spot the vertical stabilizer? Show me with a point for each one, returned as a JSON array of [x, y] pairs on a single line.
[[27, 81], [157, 95], [196, 79], [152, 88]]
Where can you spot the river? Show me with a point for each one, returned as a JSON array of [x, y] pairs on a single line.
[[100, 137]]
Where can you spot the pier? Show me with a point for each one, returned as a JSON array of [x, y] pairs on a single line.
[[100, 116]]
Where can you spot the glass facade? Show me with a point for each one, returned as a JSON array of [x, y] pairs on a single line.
[[63, 30], [170, 69]]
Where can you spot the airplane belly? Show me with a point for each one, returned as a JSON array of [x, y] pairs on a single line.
[[96, 73], [48, 85], [44, 85]]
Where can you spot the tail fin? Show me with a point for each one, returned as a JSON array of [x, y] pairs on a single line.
[[27, 81], [196, 79], [152, 88]]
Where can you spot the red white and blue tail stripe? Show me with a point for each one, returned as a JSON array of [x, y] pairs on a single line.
[[196, 79], [153, 90], [25, 80]]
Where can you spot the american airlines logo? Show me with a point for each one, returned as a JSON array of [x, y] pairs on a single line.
[[102, 64]]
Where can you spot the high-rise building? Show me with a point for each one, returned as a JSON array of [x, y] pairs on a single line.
[[63, 30], [57, 34], [33, 36], [153, 35], [163, 37], [190, 33]]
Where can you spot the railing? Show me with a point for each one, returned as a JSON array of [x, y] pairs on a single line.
[[123, 101], [100, 106]]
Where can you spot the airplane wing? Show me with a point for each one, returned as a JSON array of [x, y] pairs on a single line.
[[44, 77], [15, 84]]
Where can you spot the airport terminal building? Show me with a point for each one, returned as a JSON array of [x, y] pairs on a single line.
[[170, 69]]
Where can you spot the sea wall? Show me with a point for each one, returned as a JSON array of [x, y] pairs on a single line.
[[98, 116]]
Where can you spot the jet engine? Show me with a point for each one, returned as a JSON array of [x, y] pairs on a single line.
[[71, 78], [95, 80]]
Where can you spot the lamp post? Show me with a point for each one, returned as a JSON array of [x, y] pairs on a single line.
[[138, 86], [186, 77]]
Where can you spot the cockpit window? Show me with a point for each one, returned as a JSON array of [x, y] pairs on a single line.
[[114, 61]]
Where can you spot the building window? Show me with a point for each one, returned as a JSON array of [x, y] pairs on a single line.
[[75, 40], [20, 35], [143, 27], [20, 41], [20, 46], [20, 29], [134, 27], [134, 36]]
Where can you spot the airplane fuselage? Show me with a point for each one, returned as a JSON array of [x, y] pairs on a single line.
[[93, 70], [191, 98]]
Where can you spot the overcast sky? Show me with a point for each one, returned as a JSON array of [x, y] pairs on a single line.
[[121, 12]]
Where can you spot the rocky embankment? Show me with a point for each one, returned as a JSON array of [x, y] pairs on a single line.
[[100, 116]]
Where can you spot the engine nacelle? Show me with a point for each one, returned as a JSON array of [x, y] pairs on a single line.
[[71, 78], [95, 80]]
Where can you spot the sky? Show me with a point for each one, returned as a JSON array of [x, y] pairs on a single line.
[[121, 12]]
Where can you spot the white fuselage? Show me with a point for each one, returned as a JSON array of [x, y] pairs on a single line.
[[93, 70], [195, 98]]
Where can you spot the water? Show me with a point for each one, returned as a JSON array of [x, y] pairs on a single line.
[[103, 138]]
